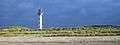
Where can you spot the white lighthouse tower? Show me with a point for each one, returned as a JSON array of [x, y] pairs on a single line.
[[40, 14]]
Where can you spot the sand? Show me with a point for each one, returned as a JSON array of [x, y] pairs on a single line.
[[59, 39]]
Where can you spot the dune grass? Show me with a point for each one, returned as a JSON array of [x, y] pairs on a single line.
[[92, 30]]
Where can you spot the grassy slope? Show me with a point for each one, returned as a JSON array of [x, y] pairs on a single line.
[[92, 30]]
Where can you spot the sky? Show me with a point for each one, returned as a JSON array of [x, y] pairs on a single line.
[[58, 13]]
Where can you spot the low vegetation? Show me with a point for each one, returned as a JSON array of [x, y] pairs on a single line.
[[91, 30]]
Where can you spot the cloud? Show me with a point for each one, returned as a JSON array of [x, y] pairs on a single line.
[[25, 5], [61, 11]]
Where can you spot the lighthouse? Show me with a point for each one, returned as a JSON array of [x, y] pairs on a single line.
[[40, 14]]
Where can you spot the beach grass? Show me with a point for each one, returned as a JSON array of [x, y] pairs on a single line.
[[92, 30]]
